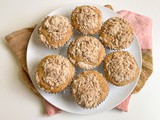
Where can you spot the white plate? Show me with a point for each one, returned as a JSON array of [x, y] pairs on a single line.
[[36, 51]]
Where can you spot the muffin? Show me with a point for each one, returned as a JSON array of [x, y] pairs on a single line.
[[120, 68], [116, 33], [54, 73], [89, 89], [86, 52], [55, 31], [86, 19]]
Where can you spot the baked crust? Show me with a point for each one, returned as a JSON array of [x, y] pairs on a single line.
[[128, 68], [116, 33], [48, 87], [104, 89], [47, 37], [86, 52], [86, 19]]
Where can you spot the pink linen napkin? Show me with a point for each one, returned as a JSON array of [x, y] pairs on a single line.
[[143, 29], [51, 110]]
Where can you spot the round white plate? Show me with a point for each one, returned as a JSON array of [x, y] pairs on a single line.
[[36, 51]]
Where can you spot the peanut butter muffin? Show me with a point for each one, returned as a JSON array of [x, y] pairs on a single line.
[[89, 89], [54, 73], [120, 68], [55, 31], [86, 52], [116, 33], [86, 19]]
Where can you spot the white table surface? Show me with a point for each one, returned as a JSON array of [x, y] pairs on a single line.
[[17, 102]]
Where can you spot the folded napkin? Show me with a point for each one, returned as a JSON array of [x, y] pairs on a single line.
[[18, 41], [143, 29]]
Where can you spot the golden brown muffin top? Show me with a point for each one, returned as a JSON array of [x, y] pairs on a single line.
[[87, 17], [86, 89], [121, 66], [56, 26], [55, 71], [87, 49], [116, 33]]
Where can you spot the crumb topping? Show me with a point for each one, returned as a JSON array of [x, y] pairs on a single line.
[[56, 71], [87, 90], [121, 67], [87, 18], [56, 26], [118, 32], [87, 50]]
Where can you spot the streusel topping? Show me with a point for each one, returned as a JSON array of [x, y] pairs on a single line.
[[87, 90], [87, 49], [56, 71], [87, 18], [56, 26], [119, 31], [121, 66]]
